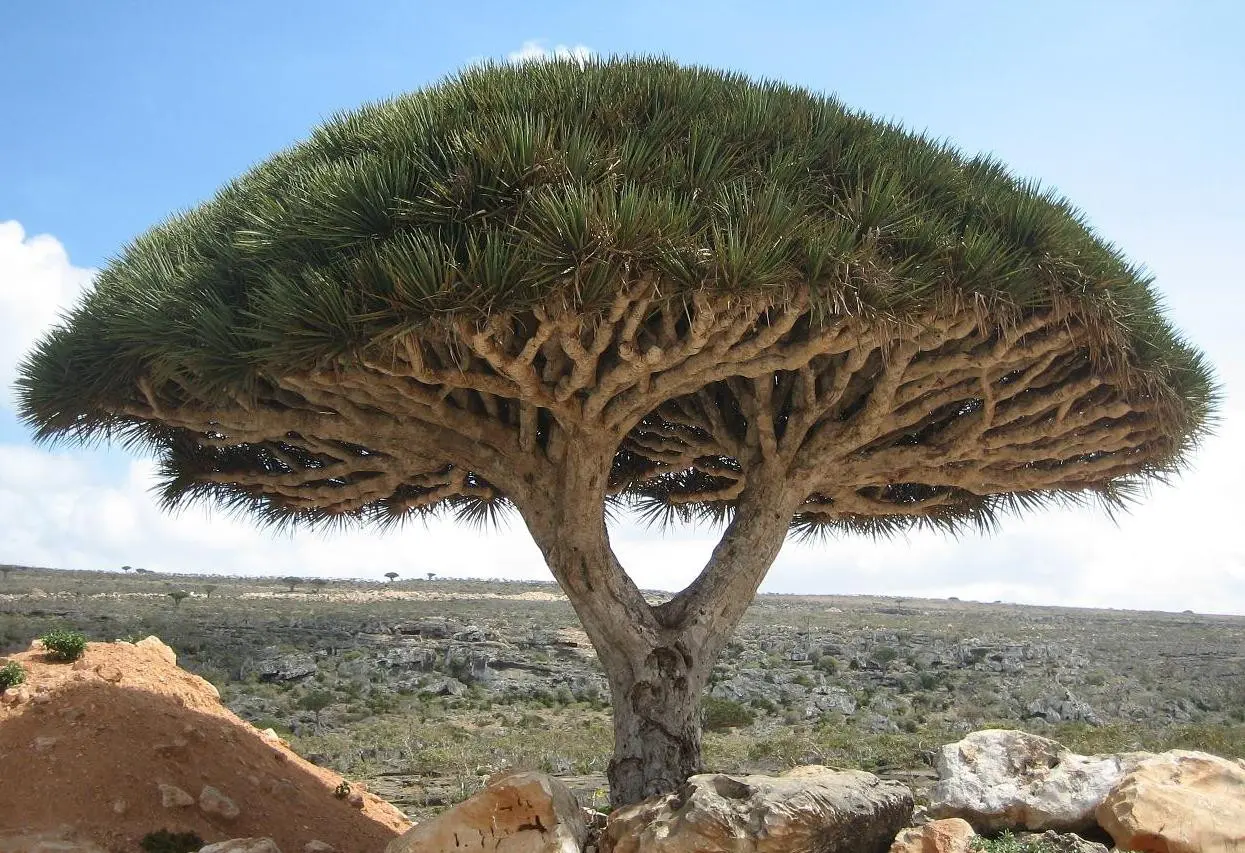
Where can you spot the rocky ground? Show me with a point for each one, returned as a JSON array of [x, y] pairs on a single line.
[[424, 688]]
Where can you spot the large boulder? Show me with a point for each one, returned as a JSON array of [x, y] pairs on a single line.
[[1001, 779], [290, 667], [807, 810], [517, 813], [1178, 802]]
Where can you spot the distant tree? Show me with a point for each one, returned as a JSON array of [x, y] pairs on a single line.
[[126, 568], [319, 584], [4, 570], [143, 571], [316, 701], [393, 576], [291, 582], [208, 589], [570, 289], [431, 575], [178, 596]]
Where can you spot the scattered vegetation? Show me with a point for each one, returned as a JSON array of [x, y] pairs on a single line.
[[11, 675], [424, 690], [63, 644]]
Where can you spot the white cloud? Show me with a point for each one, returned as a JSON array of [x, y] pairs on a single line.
[[534, 50], [37, 282], [88, 510]]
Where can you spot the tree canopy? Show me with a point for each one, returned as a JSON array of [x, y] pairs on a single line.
[[382, 319]]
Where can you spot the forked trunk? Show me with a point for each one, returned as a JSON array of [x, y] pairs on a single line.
[[656, 724], [657, 657]]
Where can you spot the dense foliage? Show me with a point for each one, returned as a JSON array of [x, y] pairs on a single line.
[[509, 187], [63, 644]]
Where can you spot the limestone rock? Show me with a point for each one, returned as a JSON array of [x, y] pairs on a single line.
[[806, 810], [1179, 802], [243, 845], [1000, 779], [519, 813], [952, 835], [317, 846], [154, 644], [213, 802], [291, 667], [173, 797], [16, 695]]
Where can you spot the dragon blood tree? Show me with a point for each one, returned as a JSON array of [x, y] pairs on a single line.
[[557, 288]]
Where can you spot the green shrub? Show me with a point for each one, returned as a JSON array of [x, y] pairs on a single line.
[[163, 841], [1008, 843], [63, 644], [11, 674], [722, 714], [827, 664]]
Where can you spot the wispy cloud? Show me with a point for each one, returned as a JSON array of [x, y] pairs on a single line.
[[534, 50]]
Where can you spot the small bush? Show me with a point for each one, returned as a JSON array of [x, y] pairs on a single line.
[[722, 714], [11, 675], [163, 841], [342, 791], [64, 645]]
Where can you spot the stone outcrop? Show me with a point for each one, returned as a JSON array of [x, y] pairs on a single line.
[[1178, 802], [951, 835], [807, 810], [1000, 779], [517, 813], [213, 802]]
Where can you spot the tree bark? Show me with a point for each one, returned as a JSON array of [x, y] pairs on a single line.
[[657, 658], [657, 724]]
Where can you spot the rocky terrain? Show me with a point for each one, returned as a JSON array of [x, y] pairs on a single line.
[[424, 688], [103, 744]]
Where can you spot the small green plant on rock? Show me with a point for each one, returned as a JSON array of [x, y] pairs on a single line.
[[11, 675], [342, 791], [163, 841], [64, 645]]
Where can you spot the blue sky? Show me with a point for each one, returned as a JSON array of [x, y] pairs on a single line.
[[117, 114]]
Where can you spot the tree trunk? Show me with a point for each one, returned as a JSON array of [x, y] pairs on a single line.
[[656, 723], [657, 659]]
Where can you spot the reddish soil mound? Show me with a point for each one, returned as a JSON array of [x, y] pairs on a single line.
[[88, 746]]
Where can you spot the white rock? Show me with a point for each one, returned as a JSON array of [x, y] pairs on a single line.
[[212, 801], [806, 810], [243, 845], [1002, 779]]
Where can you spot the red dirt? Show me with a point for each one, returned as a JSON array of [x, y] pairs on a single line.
[[92, 741]]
